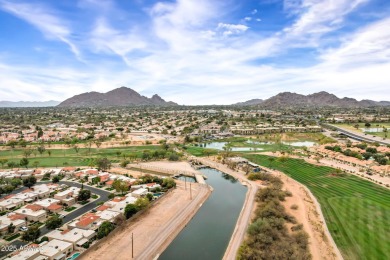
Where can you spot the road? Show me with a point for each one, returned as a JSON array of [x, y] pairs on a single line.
[[360, 137], [103, 196], [175, 225]]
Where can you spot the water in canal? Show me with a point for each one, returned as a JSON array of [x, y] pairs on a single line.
[[208, 234]]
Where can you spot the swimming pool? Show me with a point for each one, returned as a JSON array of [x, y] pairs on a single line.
[[74, 256]]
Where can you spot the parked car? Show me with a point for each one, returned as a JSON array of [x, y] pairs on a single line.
[[24, 228], [61, 216]]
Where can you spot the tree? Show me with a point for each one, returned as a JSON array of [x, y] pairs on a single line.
[[11, 228], [54, 222], [3, 161], [35, 164], [169, 183], [103, 164], [76, 148], [22, 143], [368, 125], [40, 132], [84, 195], [8, 189], [41, 149], [27, 153], [105, 228], [118, 153], [130, 210], [146, 155], [98, 143], [55, 179], [15, 182], [12, 143], [141, 203], [12, 164], [49, 152], [30, 181], [149, 196], [24, 162], [31, 234], [120, 186], [124, 163], [173, 157]]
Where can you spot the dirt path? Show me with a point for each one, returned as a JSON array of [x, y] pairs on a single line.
[[154, 231], [307, 214]]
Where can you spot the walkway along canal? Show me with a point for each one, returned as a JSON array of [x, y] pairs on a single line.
[[208, 234]]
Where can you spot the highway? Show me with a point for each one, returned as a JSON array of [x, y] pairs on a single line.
[[360, 137], [103, 196]]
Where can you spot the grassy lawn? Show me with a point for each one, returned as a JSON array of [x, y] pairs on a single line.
[[69, 209], [69, 157], [12, 237], [357, 212], [199, 151]]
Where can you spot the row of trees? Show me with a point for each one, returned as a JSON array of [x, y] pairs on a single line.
[[380, 158]]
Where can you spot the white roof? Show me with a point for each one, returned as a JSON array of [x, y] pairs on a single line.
[[46, 202], [10, 201], [53, 247], [108, 214], [72, 236], [140, 191], [26, 254]]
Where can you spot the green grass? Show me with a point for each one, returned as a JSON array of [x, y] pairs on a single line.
[[199, 151], [357, 212], [69, 209], [10, 238], [69, 157]]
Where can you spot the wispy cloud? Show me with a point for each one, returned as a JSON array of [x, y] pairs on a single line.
[[194, 52], [44, 19]]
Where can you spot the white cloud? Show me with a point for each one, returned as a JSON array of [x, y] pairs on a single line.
[[106, 39], [230, 29], [44, 20], [187, 57], [319, 16], [248, 18]]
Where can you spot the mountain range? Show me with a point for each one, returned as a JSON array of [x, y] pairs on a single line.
[[122, 96], [320, 99], [50, 103]]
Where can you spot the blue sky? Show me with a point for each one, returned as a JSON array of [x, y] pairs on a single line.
[[194, 51]]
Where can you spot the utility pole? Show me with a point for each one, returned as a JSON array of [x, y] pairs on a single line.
[[185, 182], [190, 192], [132, 245]]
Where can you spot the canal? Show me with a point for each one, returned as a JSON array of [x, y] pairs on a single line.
[[208, 234]]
